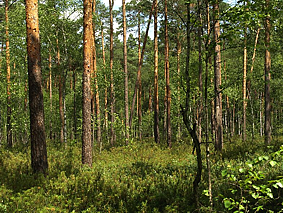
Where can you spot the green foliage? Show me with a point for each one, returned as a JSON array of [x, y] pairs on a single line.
[[141, 177]]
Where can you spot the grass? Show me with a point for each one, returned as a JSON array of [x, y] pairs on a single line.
[[142, 177]]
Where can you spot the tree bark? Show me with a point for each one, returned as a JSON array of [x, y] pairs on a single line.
[[97, 102], [86, 125], [168, 90], [156, 98], [217, 81], [8, 67], [37, 130], [200, 70], [245, 85], [267, 66], [112, 95], [125, 73]]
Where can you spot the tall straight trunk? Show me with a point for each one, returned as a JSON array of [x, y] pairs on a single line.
[[75, 105], [125, 73], [86, 125], [9, 109], [97, 103], [207, 65], [245, 85], [61, 85], [50, 92], [179, 50], [112, 95], [200, 69], [140, 66], [217, 80], [105, 79], [267, 68], [156, 98], [37, 130], [168, 90], [139, 108]]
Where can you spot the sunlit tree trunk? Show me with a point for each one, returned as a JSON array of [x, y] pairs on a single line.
[[140, 66], [267, 66], [245, 85], [50, 92], [37, 130], [207, 65], [179, 50], [168, 90], [125, 73], [199, 114], [86, 125], [156, 98], [8, 68], [217, 80], [105, 79], [112, 95], [97, 102]]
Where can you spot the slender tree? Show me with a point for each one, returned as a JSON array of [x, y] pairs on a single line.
[[267, 66], [125, 72], [200, 67], [168, 90], [245, 85], [50, 90], [8, 67], [217, 80], [86, 125], [156, 99], [112, 95], [97, 102], [37, 130]]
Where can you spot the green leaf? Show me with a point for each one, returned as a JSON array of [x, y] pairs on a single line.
[[269, 194], [272, 163], [241, 170], [279, 184], [227, 203]]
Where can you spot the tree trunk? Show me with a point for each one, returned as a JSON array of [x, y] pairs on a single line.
[[50, 92], [207, 65], [105, 80], [200, 70], [168, 90], [126, 73], [245, 85], [75, 105], [140, 65], [112, 95], [156, 98], [37, 130], [267, 66], [97, 102], [217, 81], [86, 125], [179, 50], [9, 109]]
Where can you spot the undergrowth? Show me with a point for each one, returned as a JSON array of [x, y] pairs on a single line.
[[143, 177]]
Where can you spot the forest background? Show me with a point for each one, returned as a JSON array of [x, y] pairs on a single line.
[[190, 76]]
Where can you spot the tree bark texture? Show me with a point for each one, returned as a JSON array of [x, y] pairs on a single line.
[[112, 95], [168, 90], [156, 98], [37, 130], [125, 72], [8, 68], [267, 66], [86, 125], [217, 80]]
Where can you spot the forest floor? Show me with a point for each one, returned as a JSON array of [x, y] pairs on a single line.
[[144, 177]]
